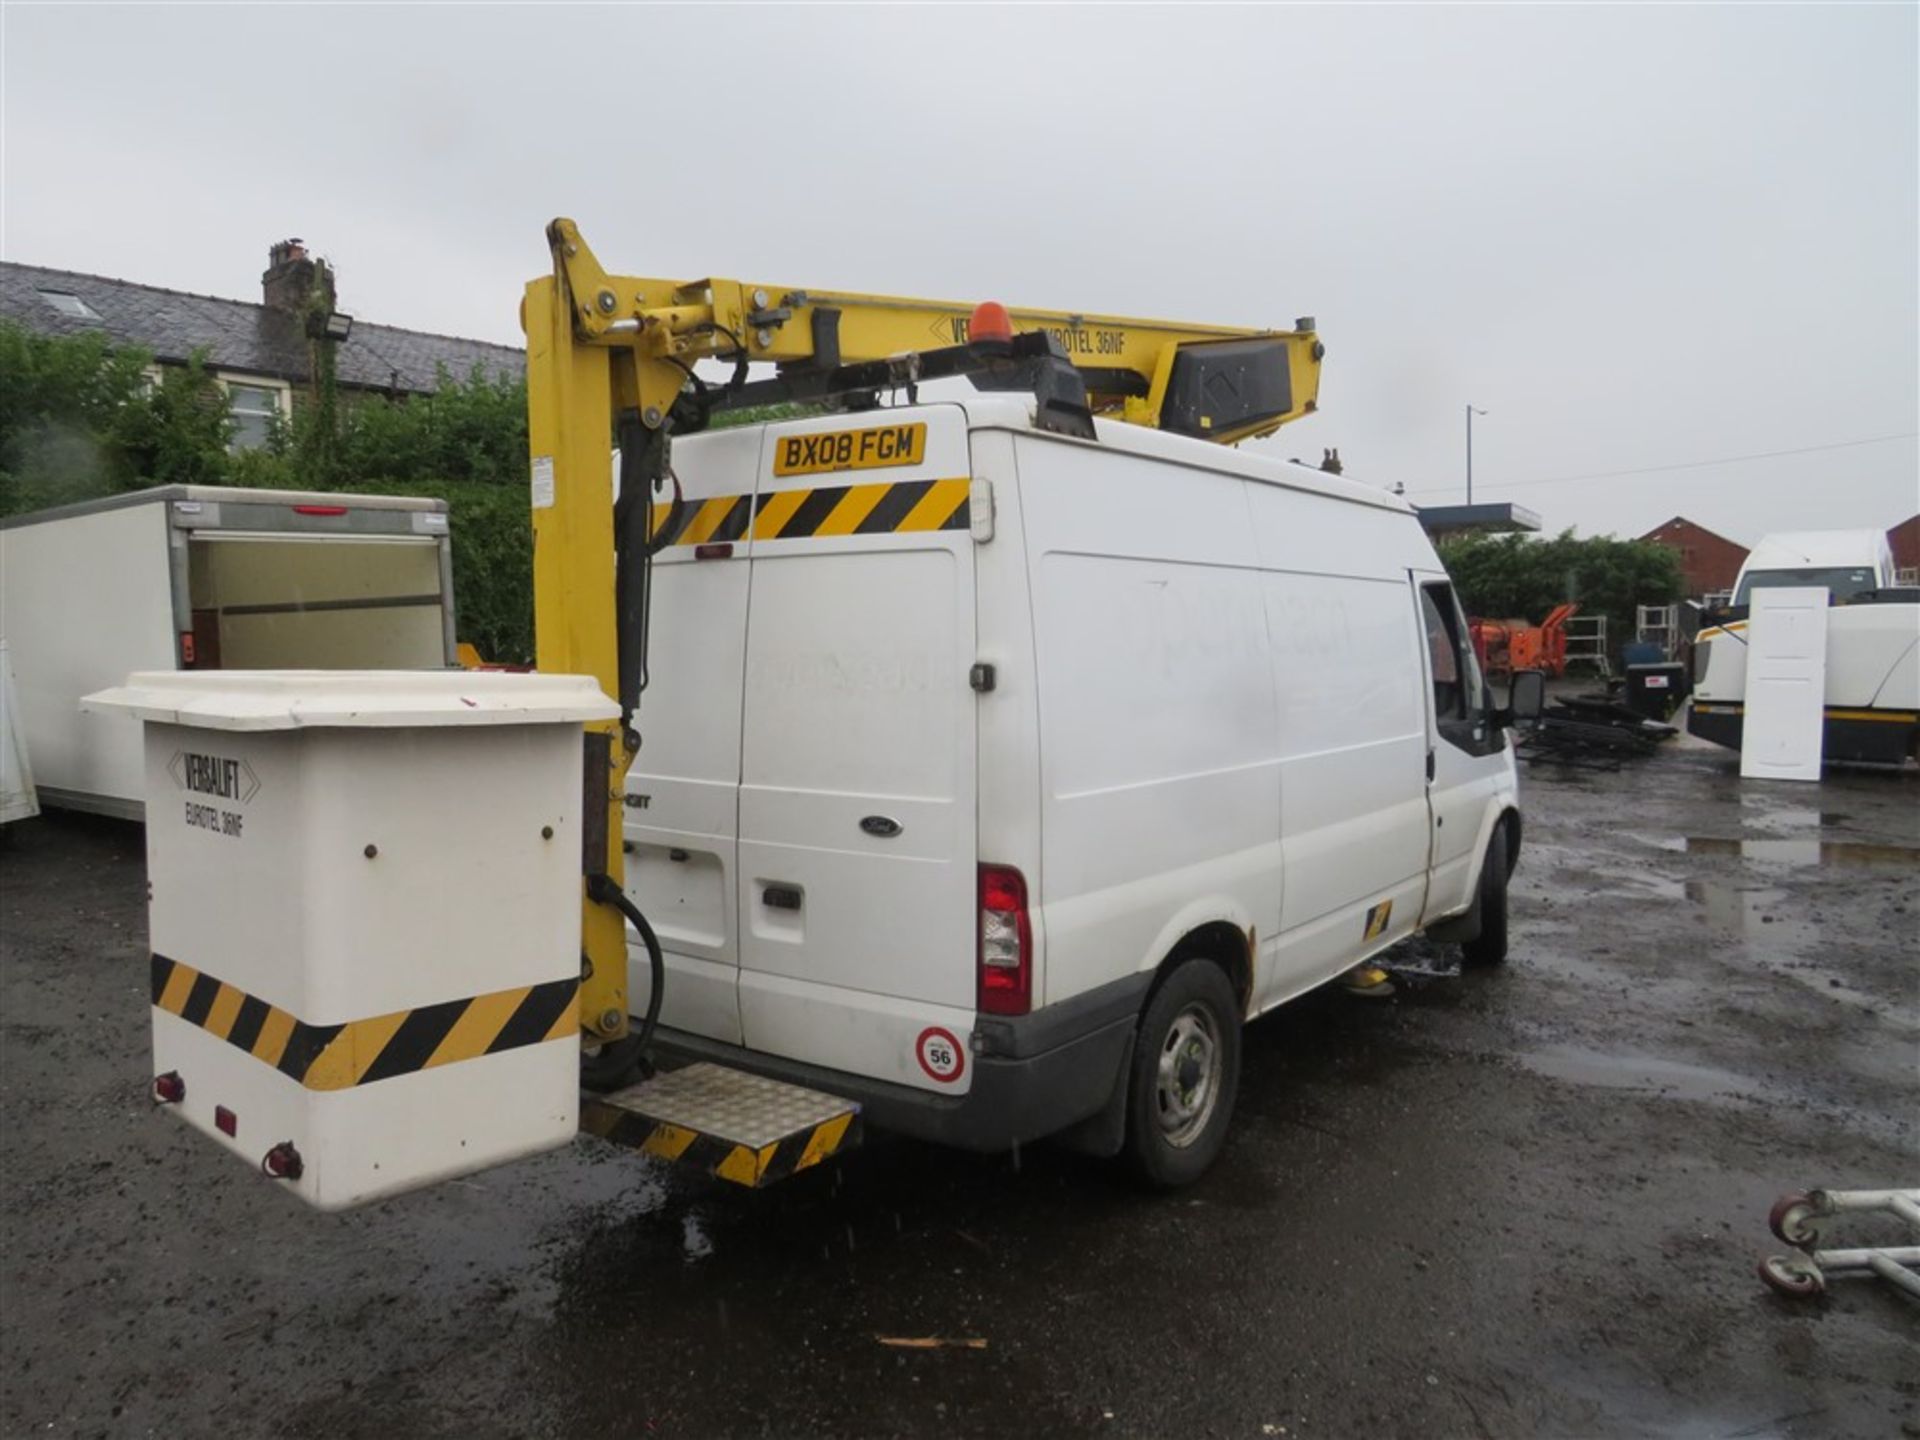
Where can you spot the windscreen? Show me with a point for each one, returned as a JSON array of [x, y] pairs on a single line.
[[1842, 582]]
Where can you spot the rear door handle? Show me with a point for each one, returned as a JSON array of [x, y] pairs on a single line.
[[1429, 767], [781, 897]]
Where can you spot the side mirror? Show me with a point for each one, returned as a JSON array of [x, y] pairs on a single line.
[[1526, 696]]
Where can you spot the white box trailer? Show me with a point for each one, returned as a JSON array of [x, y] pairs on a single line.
[[189, 577]]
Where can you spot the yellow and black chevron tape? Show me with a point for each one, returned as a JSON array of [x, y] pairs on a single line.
[[360, 1052], [742, 1164], [883, 508]]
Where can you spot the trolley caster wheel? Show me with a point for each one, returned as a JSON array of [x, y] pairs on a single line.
[[1792, 1220], [1792, 1275]]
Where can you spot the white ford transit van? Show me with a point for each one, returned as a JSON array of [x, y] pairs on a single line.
[[994, 778]]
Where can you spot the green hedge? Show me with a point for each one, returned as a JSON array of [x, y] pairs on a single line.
[[81, 419], [1522, 577]]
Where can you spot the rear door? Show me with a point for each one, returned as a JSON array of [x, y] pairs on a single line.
[[857, 874], [683, 792]]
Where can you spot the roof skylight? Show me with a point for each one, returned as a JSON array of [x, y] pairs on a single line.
[[71, 306]]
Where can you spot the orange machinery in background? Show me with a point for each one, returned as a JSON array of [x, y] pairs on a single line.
[[1505, 646]]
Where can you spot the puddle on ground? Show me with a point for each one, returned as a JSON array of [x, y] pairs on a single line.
[[695, 1242], [1804, 852], [1768, 818], [1737, 909], [1790, 852], [1777, 941], [1580, 1066]]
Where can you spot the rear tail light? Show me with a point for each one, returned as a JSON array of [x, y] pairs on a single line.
[[1006, 942]]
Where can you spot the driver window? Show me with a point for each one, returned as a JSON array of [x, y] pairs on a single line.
[[1476, 687], [1443, 657]]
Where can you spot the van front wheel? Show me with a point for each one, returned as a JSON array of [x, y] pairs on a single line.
[[1185, 1076]]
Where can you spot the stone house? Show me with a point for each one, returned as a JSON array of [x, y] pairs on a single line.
[[261, 352]]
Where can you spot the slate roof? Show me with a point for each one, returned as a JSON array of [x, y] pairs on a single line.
[[239, 335]]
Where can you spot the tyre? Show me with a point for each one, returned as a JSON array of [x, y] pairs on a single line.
[[1490, 946], [1185, 1076]]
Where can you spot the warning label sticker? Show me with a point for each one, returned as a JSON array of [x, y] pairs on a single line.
[[940, 1054], [543, 482]]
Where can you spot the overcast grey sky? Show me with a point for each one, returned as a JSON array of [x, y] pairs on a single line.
[[1636, 236]]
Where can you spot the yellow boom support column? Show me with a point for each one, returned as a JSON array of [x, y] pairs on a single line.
[[569, 429]]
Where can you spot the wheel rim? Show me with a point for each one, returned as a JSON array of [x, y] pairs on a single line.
[[1187, 1085]]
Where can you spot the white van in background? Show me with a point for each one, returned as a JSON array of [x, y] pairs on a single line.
[[1871, 705], [993, 777]]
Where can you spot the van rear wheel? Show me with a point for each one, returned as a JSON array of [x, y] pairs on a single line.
[[1185, 1076], [1489, 947]]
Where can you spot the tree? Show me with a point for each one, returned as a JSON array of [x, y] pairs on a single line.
[[81, 418], [1523, 577]]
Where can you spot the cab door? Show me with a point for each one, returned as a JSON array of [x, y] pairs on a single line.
[[1465, 750]]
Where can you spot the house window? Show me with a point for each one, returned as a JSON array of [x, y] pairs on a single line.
[[71, 306], [254, 409]]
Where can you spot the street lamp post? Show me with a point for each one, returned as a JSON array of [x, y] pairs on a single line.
[[1471, 412]]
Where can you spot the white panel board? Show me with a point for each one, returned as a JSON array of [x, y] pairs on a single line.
[[87, 600], [1786, 684], [18, 801]]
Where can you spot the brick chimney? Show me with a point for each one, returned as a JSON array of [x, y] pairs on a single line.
[[288, 279]]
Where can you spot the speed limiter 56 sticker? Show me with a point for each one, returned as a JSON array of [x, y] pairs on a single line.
[[940, 1055]]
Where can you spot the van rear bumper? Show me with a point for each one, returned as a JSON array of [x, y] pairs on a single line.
[[1032, 1076]]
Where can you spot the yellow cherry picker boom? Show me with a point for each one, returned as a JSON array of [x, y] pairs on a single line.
[[611, 365]]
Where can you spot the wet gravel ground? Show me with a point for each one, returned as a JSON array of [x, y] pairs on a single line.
[[1509, 1204]]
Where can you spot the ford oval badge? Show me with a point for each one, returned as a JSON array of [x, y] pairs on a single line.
[[885, 827]]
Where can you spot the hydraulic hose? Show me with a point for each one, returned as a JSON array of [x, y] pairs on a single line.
[[602, 890]]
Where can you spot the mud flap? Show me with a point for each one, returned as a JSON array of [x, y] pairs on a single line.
[[1102, 1134]]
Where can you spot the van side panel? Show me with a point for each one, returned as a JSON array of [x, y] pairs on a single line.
[[1009, 714], [1159, 765], [1353, 812], [1352, 722]]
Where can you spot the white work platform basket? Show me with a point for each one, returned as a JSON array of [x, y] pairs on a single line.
[[365, 916]]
